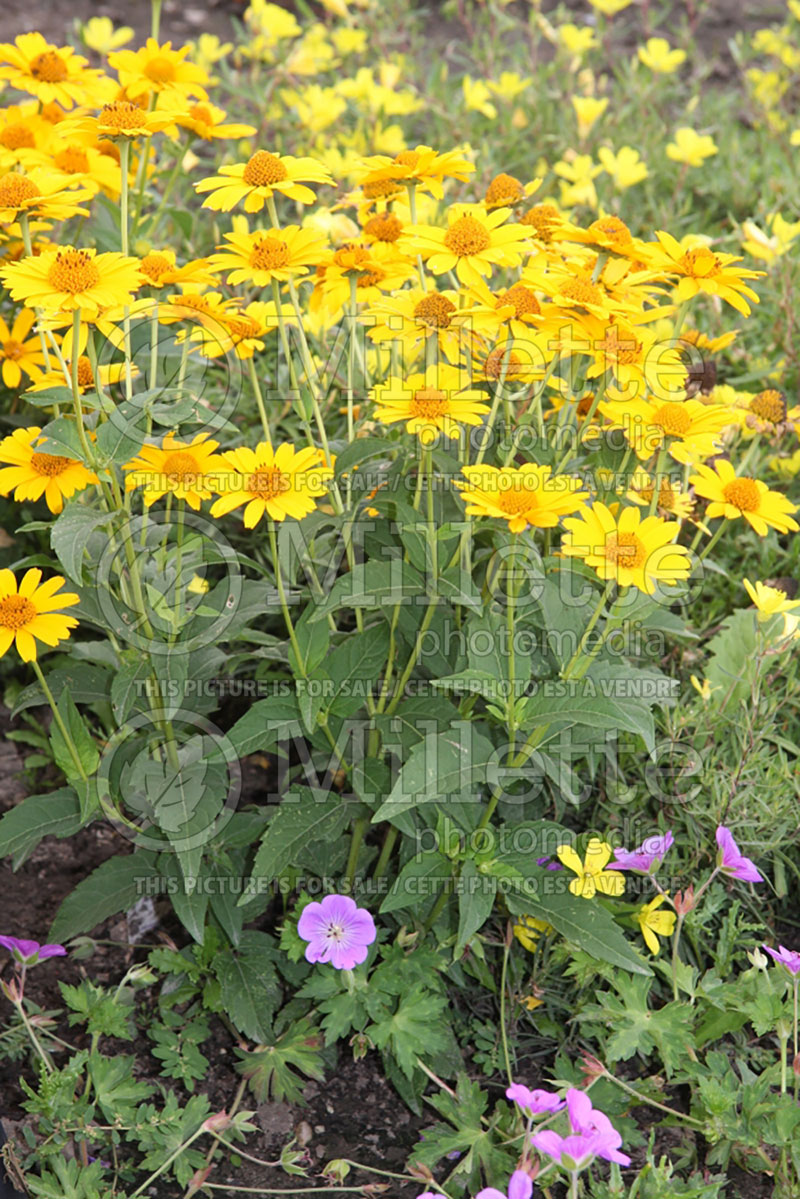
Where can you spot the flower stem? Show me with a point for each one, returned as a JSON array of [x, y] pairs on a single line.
[[273, 541], [62, 728], [251, 367]]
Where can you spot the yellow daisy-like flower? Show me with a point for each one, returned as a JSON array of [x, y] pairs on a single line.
[[120, 119], [523, 496], [413, 315], [506, 191], [22, 130], [258, 258], [256, 180], [243, 329], [60, 377], [209, 122], [31, 612], [592, 875], [160, 269], [17, 354], [769, 600], [474, 242], [376, 270], [84, 165], [655, 924], [154, 69], [689, 428], [430, 403], [701, 270], [39, 193], [189, 470], [65, 278], [631, 551], [670, 497], [32, 474], [421, 167], [272, 481], [51, 73], [734, 496], [528, 929]]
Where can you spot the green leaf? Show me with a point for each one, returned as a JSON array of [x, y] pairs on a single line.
[[70, 536], [265, 724], [251, 992], [271, 1070], [420, 880], [23, 827], [86, 683], [61, 437], [313, 638], [444, 765], [126, 686], [82, 740], [372, 585], [362, 450], [354, 666], [114, 1086], [113, 887], [638, 1028], [290, 829], [411, 1031], [476, 895]]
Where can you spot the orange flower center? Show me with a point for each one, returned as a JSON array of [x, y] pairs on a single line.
[[73, 271], [743, 494], [72, 159], [267, 483], [585, 405], [467, 236], [769, 405], [504, 189], [582, 291], [379, 189], [121, 115], [522, 298], [12, 349], [52, 112], [384, 227], [160, 69], [16, 611], [435, 311], [17, 137], [263, 169], [155, 265], [407, 158], [109, 150], [625, 549], [673, 419], [269, 253], [700, 263], [518, 499], [49, 67], [196, 303], [352, 258], [666, 496], [50, 464], [15, 189], [429, 403], [181, 467], [242, 326], [625, 352], [199, 112], [85, 372], [612, 229], [544, 219], [500, 360], [371, 278]]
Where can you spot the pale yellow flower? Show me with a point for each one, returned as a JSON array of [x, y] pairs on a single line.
[[625, 166], [588, 110], [690, 147], [657, 55], [477, 97], [772, 244], [100, 35]]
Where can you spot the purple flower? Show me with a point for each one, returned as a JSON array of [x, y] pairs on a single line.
[[789, 958], [520, 1186], [647, 858], [733, 863], [573, 1153], [28, 953], [589, 1122], [534, 1101], [549, 863], [337, 931]]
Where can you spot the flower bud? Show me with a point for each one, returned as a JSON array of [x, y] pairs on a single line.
[[684, 901], [217, 1122]]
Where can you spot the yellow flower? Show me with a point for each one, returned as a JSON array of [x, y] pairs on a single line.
[[412, 315], [579, 173], [32, 474], [508, 86], [259, 257], [476, 97], [209, 122], [349, 41], [31, 612], [576, 40], [631, 551], [51, 73], [276, 482], [625, 166], [691, 148], [17, 354], [120, 119], [256, 181], [655, 924], [64, 279], [421, 167], [78, 164], [242, 329], [155, 68], [610, 8], [187, 470], [670, 497], [591, 872], [430, 403], [700, 269], [471, 245], [656, 55], [774, 244], [768, 600], [523, 496], [160, 269], [689, 428], [734, 496], [588, 110], [271, 22], [208, 50], [375, 269], [39, 193], [100, 35], [703, 689], [527, 930]]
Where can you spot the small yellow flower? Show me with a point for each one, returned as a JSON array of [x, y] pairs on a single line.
[[156, 69], [657, 55], [476, 97], [735, 496], [30, 612], [588, 110], [33, 474], [431, 403], [187, 470], [523, 496], [592, 875], [527, 930], [575, 39], [703, 688], [625, 166], [773, 244], [271, 481], [610, 8], [655, 924], [691, 148], [632, 551], [100, 35], [769, 600]]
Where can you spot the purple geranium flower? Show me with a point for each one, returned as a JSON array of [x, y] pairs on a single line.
[[646, 858], [789, 958], [573, 1153], [519, 1187], [535, 1102], [589, 1122], [733, 863], [337, 931], [549, 862], [28, 953]]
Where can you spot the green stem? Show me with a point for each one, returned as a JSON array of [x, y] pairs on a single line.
[[676, 961], [359, 829], [715, 536], [511, 597], [62, 728], [262, 412], [386, 852], [503, 1031], [179, 568], [273, 541], [567, 672]]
